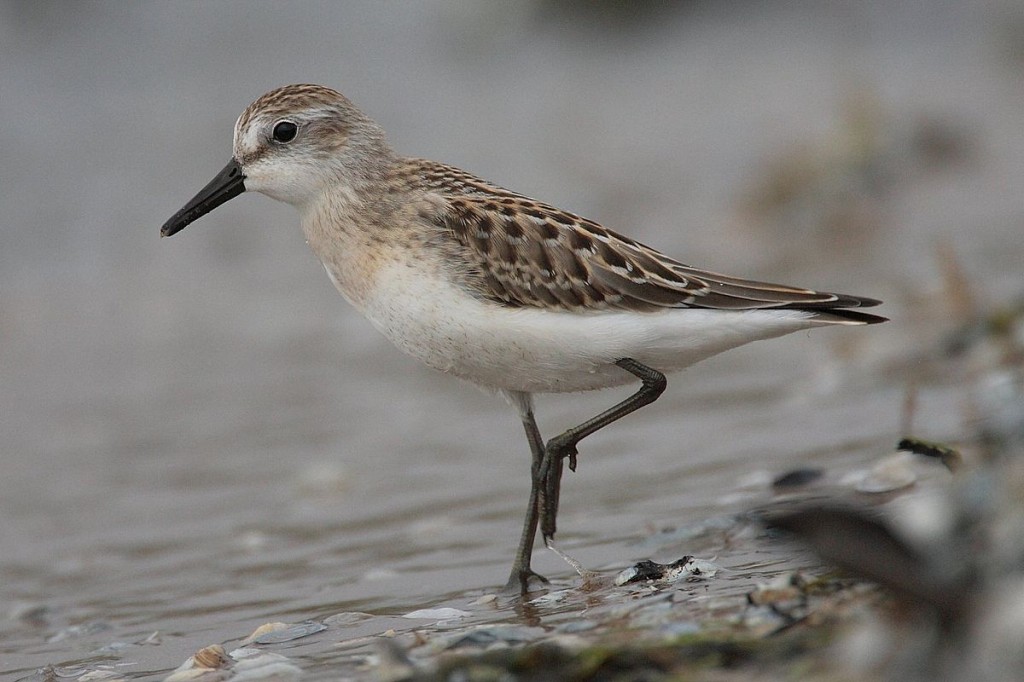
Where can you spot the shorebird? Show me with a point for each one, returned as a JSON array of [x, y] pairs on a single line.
[[507, 292]]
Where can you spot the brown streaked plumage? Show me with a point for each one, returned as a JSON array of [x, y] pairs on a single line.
[[494, 287], [529, 253]]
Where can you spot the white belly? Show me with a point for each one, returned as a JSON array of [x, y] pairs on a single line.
[[543, 351]]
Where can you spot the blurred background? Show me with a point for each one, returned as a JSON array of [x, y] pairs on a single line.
[[197, 434]]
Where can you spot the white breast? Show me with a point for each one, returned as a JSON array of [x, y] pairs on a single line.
[[551, 351]]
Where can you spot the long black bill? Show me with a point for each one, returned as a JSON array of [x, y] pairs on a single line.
[[228, 184]]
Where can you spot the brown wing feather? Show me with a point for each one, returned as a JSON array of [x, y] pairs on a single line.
[[527, 253]]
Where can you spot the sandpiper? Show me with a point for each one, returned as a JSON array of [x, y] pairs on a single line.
[[505, 291]]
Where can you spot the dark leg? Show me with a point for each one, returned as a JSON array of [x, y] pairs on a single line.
[[564, 446], [521, 576]]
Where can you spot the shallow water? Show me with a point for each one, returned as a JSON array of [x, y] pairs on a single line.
[[199, 436]]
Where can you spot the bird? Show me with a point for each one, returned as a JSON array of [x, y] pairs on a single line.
[[507, 292]]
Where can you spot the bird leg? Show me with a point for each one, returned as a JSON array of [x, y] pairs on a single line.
[[563, 446], [521, 576]]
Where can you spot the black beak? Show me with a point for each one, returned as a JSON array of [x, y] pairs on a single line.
[[228, 184]]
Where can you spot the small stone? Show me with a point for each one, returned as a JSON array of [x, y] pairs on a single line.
[[443, 613]]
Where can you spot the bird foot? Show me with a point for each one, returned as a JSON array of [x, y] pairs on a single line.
[[522, 581]]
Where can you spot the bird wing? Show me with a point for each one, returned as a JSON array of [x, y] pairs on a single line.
[[528, 253]]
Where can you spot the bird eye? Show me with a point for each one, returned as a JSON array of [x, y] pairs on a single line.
[[284, 131]]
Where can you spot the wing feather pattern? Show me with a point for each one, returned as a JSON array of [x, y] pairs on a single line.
[[527, 253]]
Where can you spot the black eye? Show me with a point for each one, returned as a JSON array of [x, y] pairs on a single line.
[[284, 131]]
